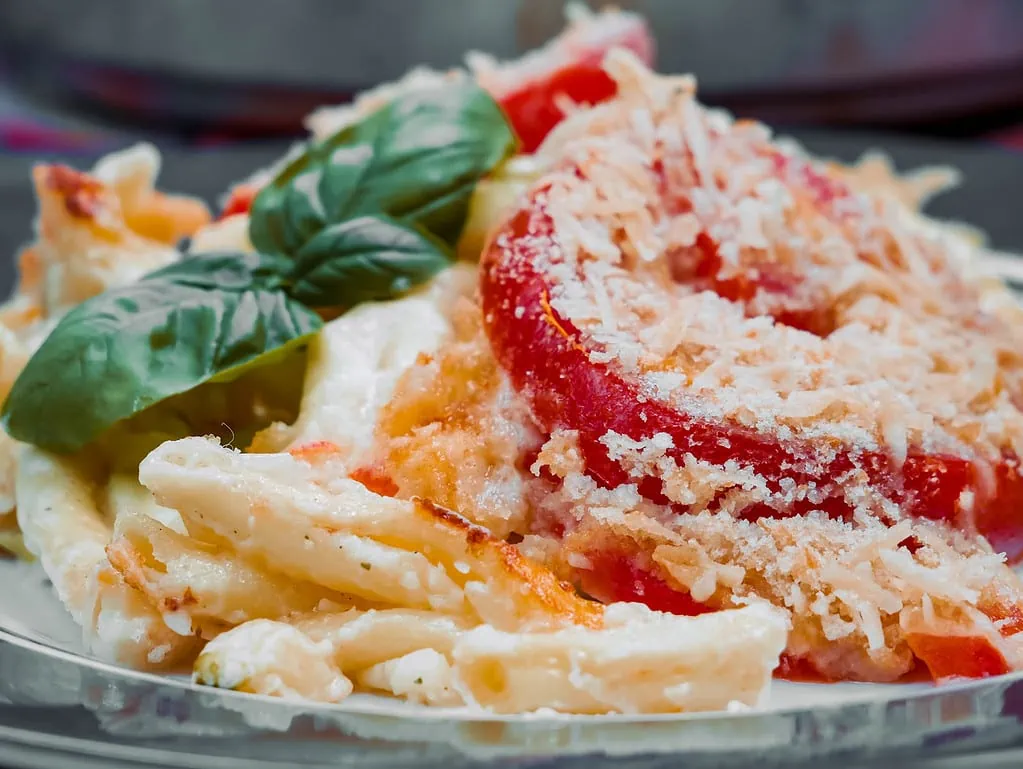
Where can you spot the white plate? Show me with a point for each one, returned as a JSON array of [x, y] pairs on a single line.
[[137, 718], [29, 608]]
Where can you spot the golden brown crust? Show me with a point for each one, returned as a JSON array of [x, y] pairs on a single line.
[[455, 433], [101, 230], [551, 596]]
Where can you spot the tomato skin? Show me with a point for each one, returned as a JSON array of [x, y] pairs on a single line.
[[1000, 518], [533, 110], [615, 576], [239, 200], [951, 657], [575, 71]]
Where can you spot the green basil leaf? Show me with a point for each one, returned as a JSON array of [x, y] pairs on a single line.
[[284, 216], [363, 260], [225, 271], [268, 389], [209, 317], [417, 160]]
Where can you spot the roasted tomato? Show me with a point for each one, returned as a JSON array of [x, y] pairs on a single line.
[[616, 576], [569, 67], [239, 200], [542, 353], [950, 657]]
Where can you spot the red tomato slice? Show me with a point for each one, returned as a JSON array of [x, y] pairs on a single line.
[[530, 88], [545, 361], [239, 200], [533, 110], [615, 576], [949, 657]]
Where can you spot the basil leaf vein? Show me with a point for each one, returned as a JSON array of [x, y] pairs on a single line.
[[363, 260]]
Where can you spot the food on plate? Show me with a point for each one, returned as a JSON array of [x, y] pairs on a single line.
[[534, 91], [534, 385], [96, 231], [722, 328], [63, 526]]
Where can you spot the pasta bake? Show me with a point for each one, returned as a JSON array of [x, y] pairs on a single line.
[[525, 385]]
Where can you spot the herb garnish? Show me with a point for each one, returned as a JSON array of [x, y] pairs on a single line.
[[367, 214]]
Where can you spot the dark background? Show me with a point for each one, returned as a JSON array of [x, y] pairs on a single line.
[[194, 68]]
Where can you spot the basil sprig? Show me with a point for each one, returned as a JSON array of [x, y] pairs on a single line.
[[365, 215]]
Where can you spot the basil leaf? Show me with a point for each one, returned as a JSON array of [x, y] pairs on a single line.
[[364, 260], [417, 159], [261, 392], [207, 318], [227, 271]]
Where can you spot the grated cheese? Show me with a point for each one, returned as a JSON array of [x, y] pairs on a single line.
[[915, 356], [852, 588]]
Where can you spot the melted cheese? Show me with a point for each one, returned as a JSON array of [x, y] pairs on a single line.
[[356, 361]]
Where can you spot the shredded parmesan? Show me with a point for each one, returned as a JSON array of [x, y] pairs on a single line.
[[852, 588], [912, 355]]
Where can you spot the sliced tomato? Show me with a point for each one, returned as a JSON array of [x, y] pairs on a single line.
[[1000, 518], [533, 109], [547, 360], [542, 354], [949, 657], [530, 89], [239, 200]]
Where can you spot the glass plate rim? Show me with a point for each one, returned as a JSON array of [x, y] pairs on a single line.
[[875, 696], [151, 719]]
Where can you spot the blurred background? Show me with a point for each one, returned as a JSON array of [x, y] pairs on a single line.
[[82, 76], [212, 70]]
